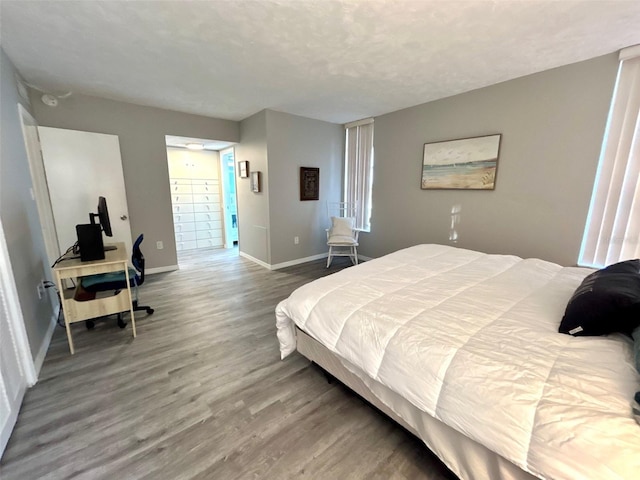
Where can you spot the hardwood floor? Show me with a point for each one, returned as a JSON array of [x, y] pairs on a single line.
[[202, 394]]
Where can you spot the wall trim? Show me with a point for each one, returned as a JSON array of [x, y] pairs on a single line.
[[168, 268], [44, 346], [255, 260], [298, 261], [291, 263]]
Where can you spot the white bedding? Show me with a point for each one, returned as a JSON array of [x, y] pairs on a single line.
[[471, 339]]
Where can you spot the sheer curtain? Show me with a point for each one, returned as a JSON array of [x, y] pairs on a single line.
[[358, 175], [612, 232]]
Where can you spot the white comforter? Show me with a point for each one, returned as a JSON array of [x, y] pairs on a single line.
[[471, 339]]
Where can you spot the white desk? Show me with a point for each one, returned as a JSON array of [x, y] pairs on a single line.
[[74, 311]]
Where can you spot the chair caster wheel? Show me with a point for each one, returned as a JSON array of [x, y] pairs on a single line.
[[89, 324], [121, 323], [150, 311]]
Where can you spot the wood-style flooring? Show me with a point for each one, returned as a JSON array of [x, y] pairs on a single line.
[[201, 393]]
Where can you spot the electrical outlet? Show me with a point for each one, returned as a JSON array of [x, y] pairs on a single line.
[[296, 240], [159, 245]]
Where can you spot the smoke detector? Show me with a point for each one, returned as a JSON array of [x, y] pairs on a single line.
[[49, 100]]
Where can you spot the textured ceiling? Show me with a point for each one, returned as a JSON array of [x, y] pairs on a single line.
[[335, 60]]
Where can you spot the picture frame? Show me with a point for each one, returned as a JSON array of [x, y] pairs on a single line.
[[309, 183], [466, 163], [255, 182], [243, 169]]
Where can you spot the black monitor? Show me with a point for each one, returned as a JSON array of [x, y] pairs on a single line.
[[90, 244], [103, 217]]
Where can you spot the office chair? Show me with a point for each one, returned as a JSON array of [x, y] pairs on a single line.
[[116, 281], [342, 237]]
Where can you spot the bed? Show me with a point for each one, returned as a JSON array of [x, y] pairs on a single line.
[[462, 348]]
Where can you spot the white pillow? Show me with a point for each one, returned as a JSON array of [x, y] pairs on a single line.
[[342, 226]]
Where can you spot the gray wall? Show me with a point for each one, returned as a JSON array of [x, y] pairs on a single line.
[[253, 208], [552, 125], [278, 144], [295, 142], [19, 213], [144, 157]]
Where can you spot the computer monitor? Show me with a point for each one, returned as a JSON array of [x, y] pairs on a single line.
[[90, 244], [103, 217]]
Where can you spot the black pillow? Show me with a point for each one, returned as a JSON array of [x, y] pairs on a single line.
[[606, 301]]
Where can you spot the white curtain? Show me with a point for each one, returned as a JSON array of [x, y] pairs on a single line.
[[359, 170], [612, 232]]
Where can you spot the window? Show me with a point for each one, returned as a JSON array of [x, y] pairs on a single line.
[[612, 232], [358, 170]]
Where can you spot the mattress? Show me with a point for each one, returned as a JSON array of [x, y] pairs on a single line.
[[471, 340], [466, 458]]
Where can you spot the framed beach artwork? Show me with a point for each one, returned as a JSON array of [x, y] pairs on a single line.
[[467, 163]]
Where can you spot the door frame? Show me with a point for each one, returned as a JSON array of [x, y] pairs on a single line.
[[40, 189], [10, 303], [224, 186]]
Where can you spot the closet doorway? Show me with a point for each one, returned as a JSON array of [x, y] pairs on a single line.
[[203, 200]]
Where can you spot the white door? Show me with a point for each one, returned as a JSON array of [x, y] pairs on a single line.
[[80, 167], [16, 364]]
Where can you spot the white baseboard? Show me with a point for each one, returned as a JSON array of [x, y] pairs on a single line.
[[290, 263], [298, 261], [44, 346], [168, 268], [255, 260]]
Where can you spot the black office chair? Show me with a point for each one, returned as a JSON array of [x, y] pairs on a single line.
[[116, 281]]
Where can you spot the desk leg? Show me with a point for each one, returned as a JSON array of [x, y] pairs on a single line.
[[68, 327], [65, 312], [133, 320]]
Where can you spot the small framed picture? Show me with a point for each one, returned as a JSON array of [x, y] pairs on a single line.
[[309, 183], [243, 168], [255, 182]]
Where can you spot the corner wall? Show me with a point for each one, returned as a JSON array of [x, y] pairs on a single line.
[[552, 124], [253, 208], [141, 131], [295, 142], [19, 215]]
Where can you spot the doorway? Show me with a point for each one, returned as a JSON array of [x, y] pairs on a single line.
[[228, 170], [203, 195]]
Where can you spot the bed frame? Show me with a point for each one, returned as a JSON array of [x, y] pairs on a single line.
[[464, 456]]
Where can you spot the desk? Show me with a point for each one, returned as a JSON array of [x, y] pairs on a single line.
[[74, 311]]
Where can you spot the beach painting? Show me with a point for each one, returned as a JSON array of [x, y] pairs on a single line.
[[468, 163]]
